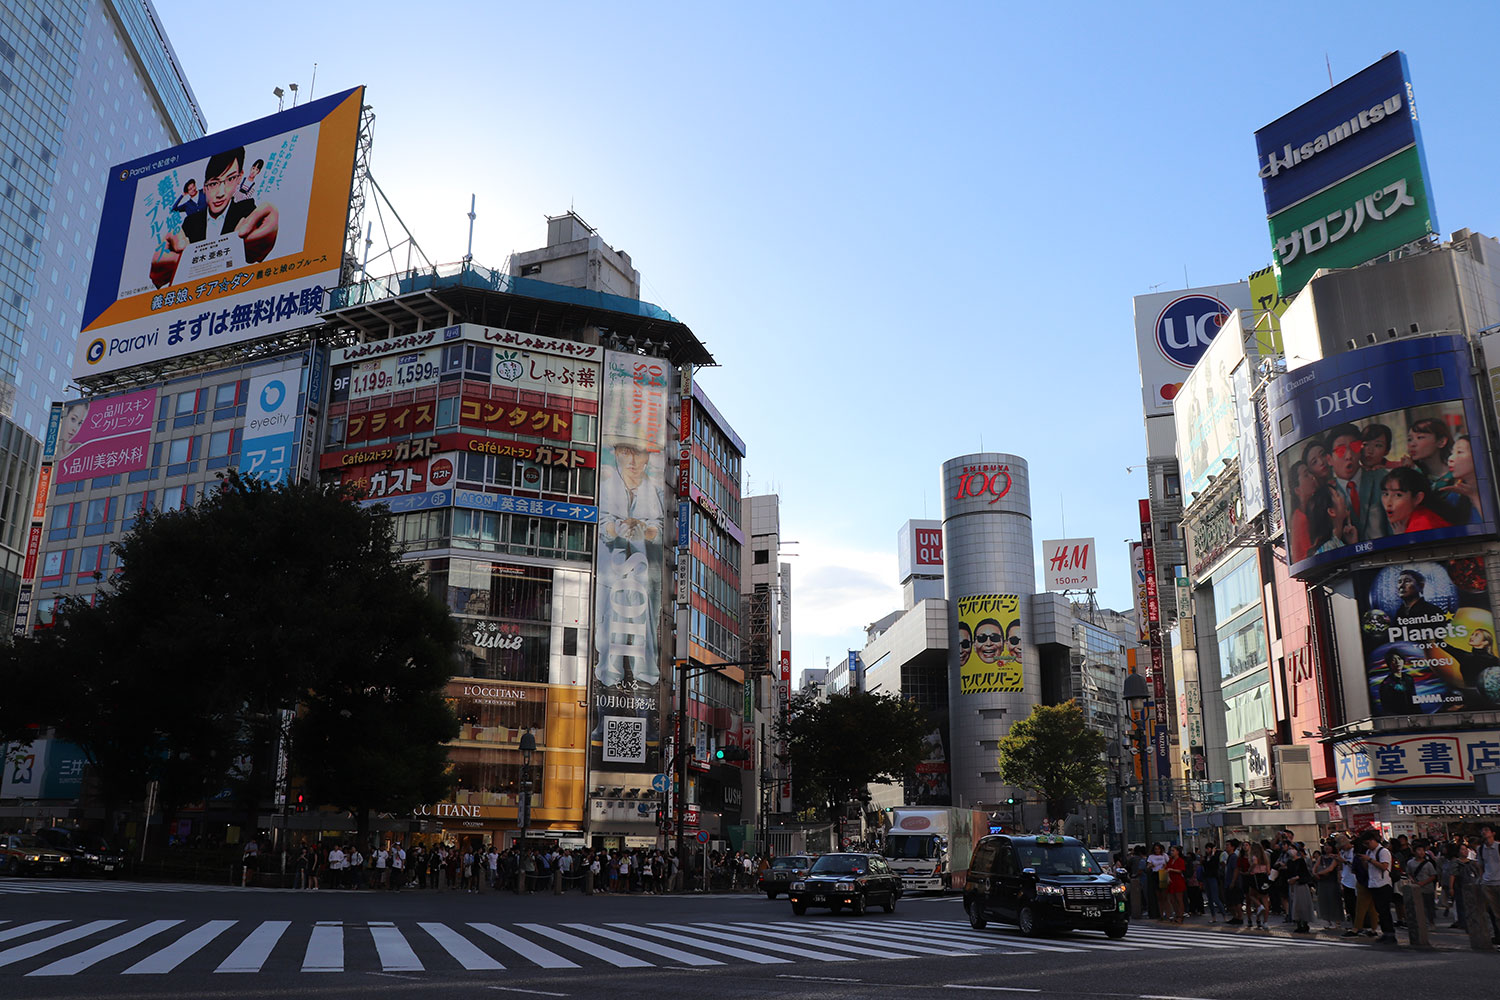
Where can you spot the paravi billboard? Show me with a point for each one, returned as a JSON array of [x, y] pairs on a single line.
[[1374, 452], [235, 236], [1344, 175]]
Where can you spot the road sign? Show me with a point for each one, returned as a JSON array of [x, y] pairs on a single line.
[[666, 826], [848, 841], [660, 782], [1191, 831], [702, 836]]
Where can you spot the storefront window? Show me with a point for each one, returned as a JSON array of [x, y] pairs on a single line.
[[497, 713], [1242, 644], [492, 777], [1237, 588]]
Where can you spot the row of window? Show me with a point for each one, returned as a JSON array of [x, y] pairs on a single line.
[[720, 639], [486, 531], [98, 515], [719, 449], [509, 473], [718, 541], [225, 401]]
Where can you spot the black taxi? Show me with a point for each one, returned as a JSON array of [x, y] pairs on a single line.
[[855, 881], [1041, 883]]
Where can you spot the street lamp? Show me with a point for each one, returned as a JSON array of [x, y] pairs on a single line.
[[1136, 692], [523, 805]]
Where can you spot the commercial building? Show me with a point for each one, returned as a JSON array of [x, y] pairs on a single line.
[[82, 86], [766, 616]]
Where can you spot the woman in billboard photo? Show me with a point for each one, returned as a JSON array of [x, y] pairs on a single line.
[[1315, 454], [1460, 498], [1404, 494], [1328, 524], [1303, 485], [1429, 442]]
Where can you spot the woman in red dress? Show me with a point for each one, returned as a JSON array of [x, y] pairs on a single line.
[[1175, 871]]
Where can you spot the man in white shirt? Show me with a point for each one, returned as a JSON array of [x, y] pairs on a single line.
[[336, 865], [1489, 880], [398, 866], [1379, 883]]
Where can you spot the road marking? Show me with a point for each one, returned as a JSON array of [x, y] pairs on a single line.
[[255, 949], [21, 930], [77, 963], [650, 947], [540, 993], [685, 935], [817, 979], [31, 949], [781, 945], [893, 949], [537, 954], [464, 951], [393, 950], [180, 950], [997, 989], [325, 948], [616, 958]]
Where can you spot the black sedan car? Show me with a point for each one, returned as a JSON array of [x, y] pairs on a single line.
[[1043, 883], [857, 881], [785, 870], [90, 853]]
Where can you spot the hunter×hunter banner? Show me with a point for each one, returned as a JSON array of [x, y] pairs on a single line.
[[1429, 638], [628, 687], [989, 643]]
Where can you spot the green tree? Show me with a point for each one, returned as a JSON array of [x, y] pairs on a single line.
[[840, 746], [256, 600], [1054, 753]]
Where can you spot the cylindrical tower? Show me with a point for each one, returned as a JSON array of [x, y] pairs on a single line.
[[994, 677]]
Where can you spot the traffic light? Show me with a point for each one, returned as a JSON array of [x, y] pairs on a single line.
[[727, 754], [1011, 801], [301, 806]]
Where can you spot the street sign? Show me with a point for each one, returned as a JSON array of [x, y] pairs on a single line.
[[1191, 831], [702, 836], [666, 826], [660, 782]]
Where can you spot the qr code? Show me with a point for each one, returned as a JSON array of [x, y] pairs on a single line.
[[624, 739]]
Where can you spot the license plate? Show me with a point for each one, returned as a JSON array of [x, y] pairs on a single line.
[[820, 898], [1091, 911], [109, 868]]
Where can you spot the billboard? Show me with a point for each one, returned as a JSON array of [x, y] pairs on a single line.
[[1207, 431], [231, 237], [1373, 451], [270, 426], [919, 549], [1249, 446], [1429, 637], [989, 643], [1344, 175], [628, 689], [103, 437], [1172, 330], [1068, 564], [1436, 757]]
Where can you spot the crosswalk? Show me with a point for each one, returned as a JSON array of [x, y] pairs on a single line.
[[161, 946], [84, 887]]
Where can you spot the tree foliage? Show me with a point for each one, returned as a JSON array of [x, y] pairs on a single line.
[[256, 600], [1054, 753], [839, 746]]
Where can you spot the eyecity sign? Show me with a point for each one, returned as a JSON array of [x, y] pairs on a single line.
[[1344, 175]]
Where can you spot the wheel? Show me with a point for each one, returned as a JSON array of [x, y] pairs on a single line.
[[977, 919], [1116, 931], [858, 906], [890, 902], [770, 893], [13, 866], [798, 907], [1027, 922]]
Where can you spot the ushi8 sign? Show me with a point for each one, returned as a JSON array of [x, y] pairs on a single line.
[[228, 238], [989, 643]]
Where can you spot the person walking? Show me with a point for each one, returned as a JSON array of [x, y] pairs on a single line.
[[1213, 883], [1380, 883], [1234, 883], [1488, 856], [1326, 869]]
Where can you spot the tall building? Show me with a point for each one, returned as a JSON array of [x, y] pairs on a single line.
[[766, 615], [83, 85]]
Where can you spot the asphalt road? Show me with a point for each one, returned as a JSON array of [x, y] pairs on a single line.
[[89, 940]]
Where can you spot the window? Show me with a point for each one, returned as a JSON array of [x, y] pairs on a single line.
[[762, 556], [1173, 485], [134, 504], [176, 497], [179, 450], [225, 395], [54, 568], [91, 560], [1242, 644], [219, 444], [97, 518], [62, 524]]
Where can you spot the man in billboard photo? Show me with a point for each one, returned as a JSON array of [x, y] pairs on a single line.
[[1345, 445], [965, 644], [192, 199], [1404, 494], [1416, 611], [221, 216], [989, 640], [1398, 692], [632, 513]]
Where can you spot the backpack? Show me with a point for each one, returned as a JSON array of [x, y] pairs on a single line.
[[1362, 870]]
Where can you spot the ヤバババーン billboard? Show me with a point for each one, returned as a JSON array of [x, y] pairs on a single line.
[[232, 237]]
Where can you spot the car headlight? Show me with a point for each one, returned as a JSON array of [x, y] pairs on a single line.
[[1120, 889], [799, 885], [1049, 890], [844, 887], [91, 857], [33, 857]]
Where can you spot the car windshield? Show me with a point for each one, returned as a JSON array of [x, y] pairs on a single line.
[[1057, 859], [839, 864], [28, 840], [908, 846], [789, 861]]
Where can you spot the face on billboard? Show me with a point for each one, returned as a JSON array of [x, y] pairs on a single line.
[[1429, 638], [992, 622], [234, 236], [105, 436]]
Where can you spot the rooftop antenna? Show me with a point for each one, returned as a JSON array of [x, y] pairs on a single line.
[[1329, 63], [1185, 282], [293, 88], [279, 94], [314, 85], [469, 257]]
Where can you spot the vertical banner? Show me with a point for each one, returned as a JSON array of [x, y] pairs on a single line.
[[627, 680], [270, 427], [39, 517], [1156, 674], [783, 707]]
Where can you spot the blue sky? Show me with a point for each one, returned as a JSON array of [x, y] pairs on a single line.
[[905, 233]]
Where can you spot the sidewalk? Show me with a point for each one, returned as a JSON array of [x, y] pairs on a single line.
[[1443, 937]]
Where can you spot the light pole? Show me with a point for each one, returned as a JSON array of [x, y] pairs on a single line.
[[1136, 692], [523, 805]]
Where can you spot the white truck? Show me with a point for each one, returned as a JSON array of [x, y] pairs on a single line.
[[930, 848]]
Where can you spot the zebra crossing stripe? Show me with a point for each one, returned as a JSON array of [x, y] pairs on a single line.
[[180, 950], [464, 951], [107, 949], [684, 935], [21, 930], [325, 948], [616, 958], [902, 935], [764, 930], [822, 956], [392, 948], [650, 947], [256, 948], [533, 952], [33, 948]]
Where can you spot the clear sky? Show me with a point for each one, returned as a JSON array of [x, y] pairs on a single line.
[[905, 232]]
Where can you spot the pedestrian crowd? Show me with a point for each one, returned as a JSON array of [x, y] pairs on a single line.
[[1348, 882]]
